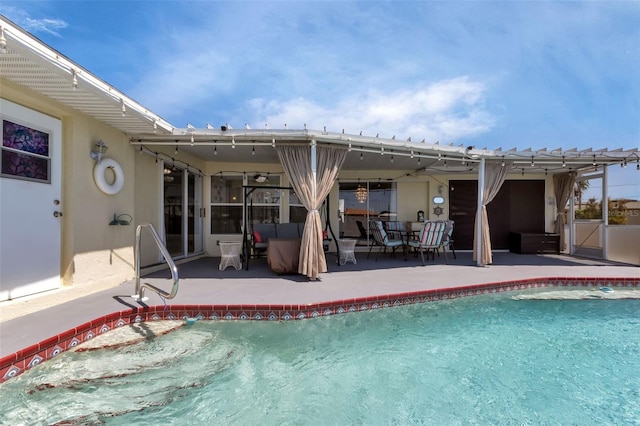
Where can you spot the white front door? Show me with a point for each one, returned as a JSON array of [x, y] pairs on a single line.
[[30, 201]]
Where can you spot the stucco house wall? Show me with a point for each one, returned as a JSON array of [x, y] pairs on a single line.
[[92, 252]]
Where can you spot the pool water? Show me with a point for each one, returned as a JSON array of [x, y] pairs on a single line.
[[479, 360]]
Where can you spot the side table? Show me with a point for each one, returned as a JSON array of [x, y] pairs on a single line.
[[230, 255], [347, 247]]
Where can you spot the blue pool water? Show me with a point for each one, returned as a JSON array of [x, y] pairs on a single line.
[[480, 360]]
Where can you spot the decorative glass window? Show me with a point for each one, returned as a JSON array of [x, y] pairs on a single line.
[[25, 153]]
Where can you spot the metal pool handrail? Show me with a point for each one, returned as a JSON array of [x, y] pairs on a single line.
[[167, 257]]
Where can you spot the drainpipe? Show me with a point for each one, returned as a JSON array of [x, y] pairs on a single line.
[[479, 213]]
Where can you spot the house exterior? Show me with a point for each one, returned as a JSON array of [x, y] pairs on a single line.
[[69, 209]]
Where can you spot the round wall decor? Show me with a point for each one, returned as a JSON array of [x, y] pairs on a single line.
[[100, 179]]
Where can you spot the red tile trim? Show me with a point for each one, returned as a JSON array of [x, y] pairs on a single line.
[[16, 363]]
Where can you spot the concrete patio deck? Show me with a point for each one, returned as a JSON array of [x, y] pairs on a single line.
[[26, 322]]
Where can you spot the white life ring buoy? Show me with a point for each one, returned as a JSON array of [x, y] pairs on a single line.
[[101, 182]]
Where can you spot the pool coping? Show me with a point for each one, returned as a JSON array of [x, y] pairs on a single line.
[[14, 364]]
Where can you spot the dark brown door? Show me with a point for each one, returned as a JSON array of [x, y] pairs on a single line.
[[518, 207], [463, 200]]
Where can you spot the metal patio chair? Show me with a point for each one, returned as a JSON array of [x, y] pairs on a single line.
[[430, 239], [382, 239]]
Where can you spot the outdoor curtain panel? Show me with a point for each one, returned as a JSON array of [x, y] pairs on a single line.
[[296, 161], [494, 176], [563, 187]]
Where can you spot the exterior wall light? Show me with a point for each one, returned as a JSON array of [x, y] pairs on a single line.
[[98, 151]]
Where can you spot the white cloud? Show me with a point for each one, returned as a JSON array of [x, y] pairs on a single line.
[[446, 111], [51, 26]]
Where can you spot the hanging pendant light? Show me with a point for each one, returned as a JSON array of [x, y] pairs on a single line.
[[361, 194]]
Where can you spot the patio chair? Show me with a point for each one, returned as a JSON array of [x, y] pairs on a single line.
[[261, 232], [395, 229], [382, 239], [447, 240], [430, 239], [363, 231]]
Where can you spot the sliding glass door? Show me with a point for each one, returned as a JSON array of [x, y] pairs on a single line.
[[364, 201], [183, 212]]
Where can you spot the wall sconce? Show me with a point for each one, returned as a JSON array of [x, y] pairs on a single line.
[[98, 151], [121, 219]]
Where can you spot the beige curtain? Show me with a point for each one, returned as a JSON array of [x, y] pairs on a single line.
[[494, 176], [562, 188], [296, 161]]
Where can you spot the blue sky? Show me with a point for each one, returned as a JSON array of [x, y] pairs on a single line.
[[491, 74]]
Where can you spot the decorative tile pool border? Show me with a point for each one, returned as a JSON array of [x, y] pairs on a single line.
[[15, 364]]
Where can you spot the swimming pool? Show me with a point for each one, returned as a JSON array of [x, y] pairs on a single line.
[[480, 360]]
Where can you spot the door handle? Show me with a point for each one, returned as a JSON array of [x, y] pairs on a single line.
[[57, 214]]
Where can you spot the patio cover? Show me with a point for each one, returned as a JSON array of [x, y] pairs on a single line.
[[312, 170]]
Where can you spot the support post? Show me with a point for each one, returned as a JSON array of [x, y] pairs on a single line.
[[605, 212], [479, 213]]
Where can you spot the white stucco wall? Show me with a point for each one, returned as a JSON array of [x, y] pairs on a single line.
[[92, 252], [623, 243]]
